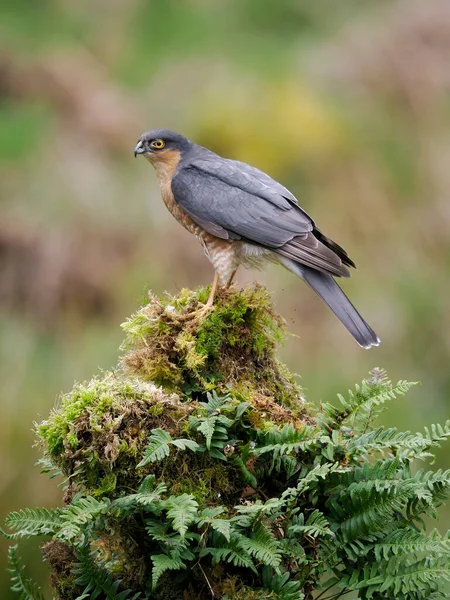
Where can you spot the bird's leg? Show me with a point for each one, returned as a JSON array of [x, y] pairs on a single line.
[[230, 281], [203, 309], [212, 293]]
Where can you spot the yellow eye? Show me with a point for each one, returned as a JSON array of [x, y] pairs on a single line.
[[158, 144]]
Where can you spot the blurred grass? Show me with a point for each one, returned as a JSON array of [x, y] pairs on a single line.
[[346, 103]]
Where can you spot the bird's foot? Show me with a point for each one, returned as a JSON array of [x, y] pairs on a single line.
[[200, 312], [204, 309]]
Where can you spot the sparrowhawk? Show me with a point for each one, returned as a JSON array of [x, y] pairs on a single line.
[[241, 216]]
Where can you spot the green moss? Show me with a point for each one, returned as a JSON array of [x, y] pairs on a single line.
[[234, 589], [206, 479], [93, 400], [61, 559], [100, 428], [233, 347]]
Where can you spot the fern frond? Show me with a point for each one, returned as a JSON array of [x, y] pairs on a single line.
[[309, 479], [96, 579], [209, 517], [287, 440], [158, 446], [148, 497], [48, 467], [163, 563], [214, 429], [407, 444], [369, 506], [405, 543], [257, 509], [207, 427], [436, 483], [217, 403], [316, 525], [182, 511], [240, 463], [426, 575], [174, 544], [233, 554], [82, 511], [280, 585], [363, 404], [21, 584], [213, 424], [31, 522], [433, 488], [262, 545]]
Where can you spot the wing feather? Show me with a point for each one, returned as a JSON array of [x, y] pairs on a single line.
[[240, 213], [235, 201]]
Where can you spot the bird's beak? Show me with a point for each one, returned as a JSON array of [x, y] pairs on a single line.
[[139, 149]]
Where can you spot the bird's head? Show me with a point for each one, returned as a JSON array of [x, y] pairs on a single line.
[[160, 146]]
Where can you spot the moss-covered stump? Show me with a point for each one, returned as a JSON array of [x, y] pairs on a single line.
[[180, 376], [234, 347], [196, 470]]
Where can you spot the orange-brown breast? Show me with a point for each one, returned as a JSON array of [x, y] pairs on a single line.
[[165, 163], [221, 253]]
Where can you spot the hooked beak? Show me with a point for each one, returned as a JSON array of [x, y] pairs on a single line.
[[139, 149]]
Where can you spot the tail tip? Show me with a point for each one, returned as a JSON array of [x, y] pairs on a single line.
[[368, 344]]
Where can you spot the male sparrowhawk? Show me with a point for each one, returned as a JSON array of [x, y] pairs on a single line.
[[241, 216]]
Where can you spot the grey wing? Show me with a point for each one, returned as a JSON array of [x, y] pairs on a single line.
[[249, 179], [240, 214], [236, 205]]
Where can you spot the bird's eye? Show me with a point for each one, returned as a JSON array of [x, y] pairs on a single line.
[[158, 144]]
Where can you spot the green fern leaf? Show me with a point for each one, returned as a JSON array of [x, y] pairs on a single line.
[[158, 446], [425, 575], [233, 554], [209, 517], [258, 508], [280, 585], [287, 440], [97, 580], [207, 427], [316, 525], [148, 497], [363, 404], [370, 506], [163, 563], [309, 479], [21, 584], [81, 512], [216, 402], [246, 475], [262, 545], [29, 522], [182, 444], [406, 543], [182, 511], [406, 444]]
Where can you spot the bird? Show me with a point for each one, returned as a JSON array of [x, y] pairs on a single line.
[[242, 216]]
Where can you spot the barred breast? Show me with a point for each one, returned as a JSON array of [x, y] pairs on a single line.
[[225, 255]]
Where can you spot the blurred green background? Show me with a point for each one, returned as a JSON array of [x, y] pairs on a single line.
[[347, 103]]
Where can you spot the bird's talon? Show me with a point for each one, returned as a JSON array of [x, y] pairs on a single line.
[[201, 312]]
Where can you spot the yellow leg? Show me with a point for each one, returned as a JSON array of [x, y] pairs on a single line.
[[212, 293], [230, 281], [203, 309]]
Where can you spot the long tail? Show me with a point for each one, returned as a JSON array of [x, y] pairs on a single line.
[[326, 287]]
